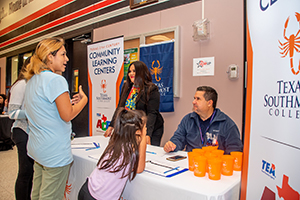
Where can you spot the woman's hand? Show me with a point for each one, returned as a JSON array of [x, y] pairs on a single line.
[[77, 97], [108, 131]]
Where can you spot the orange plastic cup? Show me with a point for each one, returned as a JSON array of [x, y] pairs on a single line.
[[209, 155], [191, 156], [214, 168], [200, 166], [237, 163], [218, 152], [209, 148], [199, 151], [227, 165]]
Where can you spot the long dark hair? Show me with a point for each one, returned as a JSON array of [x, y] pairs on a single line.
[[124, 143], [142, 79]]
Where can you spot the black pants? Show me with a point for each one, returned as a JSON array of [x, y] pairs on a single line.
[[156, 136], [24, 180], [84, 193]]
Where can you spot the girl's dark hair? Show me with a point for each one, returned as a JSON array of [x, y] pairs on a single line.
[[142, 78], [21, 75], [124, 143]]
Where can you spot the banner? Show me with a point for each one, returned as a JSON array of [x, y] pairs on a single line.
[[272, 127], [159, 59], [105, 76]]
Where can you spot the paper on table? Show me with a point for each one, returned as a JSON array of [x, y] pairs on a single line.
[[82, 145], [163, 169]]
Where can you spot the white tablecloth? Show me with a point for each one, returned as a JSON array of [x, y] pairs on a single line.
[[150, 186]]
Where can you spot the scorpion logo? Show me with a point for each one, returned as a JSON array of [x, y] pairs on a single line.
[[292, 43], [67, 190], [156, 70], [103, 85]]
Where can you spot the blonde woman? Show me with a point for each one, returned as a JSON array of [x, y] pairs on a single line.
[[49, 110]]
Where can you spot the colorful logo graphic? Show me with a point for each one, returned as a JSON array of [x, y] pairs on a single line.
[[102, 123], [103, 85], [285, 191], [202, 63], [156, 70], [291, 44], [268, 169]]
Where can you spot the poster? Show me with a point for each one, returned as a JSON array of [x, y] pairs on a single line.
[[105, 76], [130, 55], [273, 101], [204, 66]]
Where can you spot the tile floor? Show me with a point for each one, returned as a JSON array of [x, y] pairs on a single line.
[[8, 173]]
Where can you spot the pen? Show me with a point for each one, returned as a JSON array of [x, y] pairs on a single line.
[[176, 168], [150, 152]]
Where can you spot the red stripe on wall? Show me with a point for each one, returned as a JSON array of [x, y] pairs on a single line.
[[61, 21], [57, 4], [248, 116]]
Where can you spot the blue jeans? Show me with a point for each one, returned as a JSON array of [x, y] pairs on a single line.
[[24, 180]]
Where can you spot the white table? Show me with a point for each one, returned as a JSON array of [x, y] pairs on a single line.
[[150, 186]]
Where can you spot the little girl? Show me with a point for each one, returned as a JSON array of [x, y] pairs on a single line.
[[122, 159]]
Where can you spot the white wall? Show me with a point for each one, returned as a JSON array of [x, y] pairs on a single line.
[[225, 44]]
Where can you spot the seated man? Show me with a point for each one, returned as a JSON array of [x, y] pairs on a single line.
[[206, 126]]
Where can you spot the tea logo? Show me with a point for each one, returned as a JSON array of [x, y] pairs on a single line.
[[290, 44], [156, 70], [103, 85], [268, 169]]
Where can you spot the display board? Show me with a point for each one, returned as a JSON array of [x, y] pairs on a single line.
[[105, 77], [272, 127]]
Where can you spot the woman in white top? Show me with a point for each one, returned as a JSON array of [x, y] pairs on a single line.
[[16, 111]]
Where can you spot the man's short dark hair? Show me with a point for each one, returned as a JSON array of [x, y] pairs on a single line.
[[209, 94]]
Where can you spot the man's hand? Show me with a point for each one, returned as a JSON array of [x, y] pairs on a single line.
[[169, 146]]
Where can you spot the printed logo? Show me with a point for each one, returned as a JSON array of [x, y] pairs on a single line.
[[268, 169], [156, 70], [103, 85], [102, 123], [202, 63], [68, 190], [291, 44]]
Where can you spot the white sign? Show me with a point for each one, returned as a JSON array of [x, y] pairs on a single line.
[[105, 74], [204, 66]]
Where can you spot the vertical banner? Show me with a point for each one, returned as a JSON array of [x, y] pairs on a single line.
[[159, 59], [272, 127], [105, 76], [130, 55]]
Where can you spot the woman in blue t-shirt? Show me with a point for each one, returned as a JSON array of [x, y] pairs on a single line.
[[49, 110]]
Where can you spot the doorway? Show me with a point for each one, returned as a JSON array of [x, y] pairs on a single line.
[[77, 74]]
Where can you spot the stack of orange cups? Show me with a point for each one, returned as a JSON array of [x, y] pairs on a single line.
[[209, 148], [218, 152], [237, 166], [227, 165], [191, 156], [200, 165], [214, 168], [199, 151], [209, 155]]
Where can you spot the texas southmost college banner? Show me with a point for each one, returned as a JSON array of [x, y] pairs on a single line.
[[159, 59], [105, 76], [272, 127]]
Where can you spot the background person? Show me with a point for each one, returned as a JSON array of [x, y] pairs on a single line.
[[205, 126], [16, 111], [122, 159], [2, 102], [49, 111], [138, 92]]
